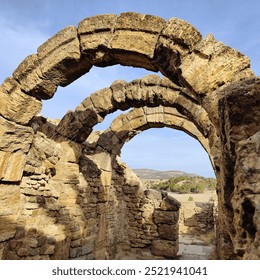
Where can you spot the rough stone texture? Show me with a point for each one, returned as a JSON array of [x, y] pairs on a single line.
[[213, 65], [196, 218], [72, 199], [15, 105], [165, 248]]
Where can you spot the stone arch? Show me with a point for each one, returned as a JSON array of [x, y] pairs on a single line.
[[149, 91], [126, 126], [175, 48]]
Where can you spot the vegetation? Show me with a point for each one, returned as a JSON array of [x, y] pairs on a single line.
[[186, 184]]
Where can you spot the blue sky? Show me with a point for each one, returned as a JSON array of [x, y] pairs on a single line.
[[26, 24]]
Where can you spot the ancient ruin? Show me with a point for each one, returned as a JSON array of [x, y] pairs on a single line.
[[64, 194]]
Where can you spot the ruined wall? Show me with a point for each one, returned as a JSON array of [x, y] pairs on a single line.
[[197, 218], [64, 198], [64, 209]]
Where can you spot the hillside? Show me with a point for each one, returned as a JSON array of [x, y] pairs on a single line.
[[150, 174]]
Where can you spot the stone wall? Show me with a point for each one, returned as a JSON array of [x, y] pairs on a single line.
[[197, 218], [64, 208]]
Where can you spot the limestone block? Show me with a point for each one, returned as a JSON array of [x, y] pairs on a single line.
[[136, 34], [168, 232], [77, 125], [67, 172], [131, 179], [239, 122], [9, 199], [14, 137], [119, 96], [165, 217], [29, 76], [103, 101], [109, 141], [102, 159], [95, 34], [105, 178], [165, 248], [12, 166], [134, 94], [155, 114], [61, 58], [153, 194], [214, 65], [69, 151], [121, 127], [247, 167], [170, 204], [181, 32], [137, 119], [16, 105], [15, 143]]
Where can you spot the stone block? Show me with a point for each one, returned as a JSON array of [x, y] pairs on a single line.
[[102, 159], [96, 32], [170, 204], [106, 178], [213, 65], [154, 115], [121, 127], [9, 196], [153, 194], [165, 248], [60, 57], [119, 96], [165, 217], [138, 120], [29, 76], [136, 35], [14, 137], [168, 232], [67, 172], [109, 141], [103, 101], [16, 105], [181, 32], [77, 125], [12, 166]]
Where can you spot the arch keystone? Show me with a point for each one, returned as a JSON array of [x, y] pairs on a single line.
[[135, 38], [95, 34]]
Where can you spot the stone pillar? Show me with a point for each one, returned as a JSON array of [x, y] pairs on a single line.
[[166, 218]]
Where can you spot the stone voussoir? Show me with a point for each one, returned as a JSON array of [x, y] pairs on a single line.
[[95, 34], [15, 104], [60, 57], [136, 34]]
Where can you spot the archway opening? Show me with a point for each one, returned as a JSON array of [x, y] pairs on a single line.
[[172, 161]]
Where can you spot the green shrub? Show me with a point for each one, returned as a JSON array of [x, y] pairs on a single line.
[[185, 184]]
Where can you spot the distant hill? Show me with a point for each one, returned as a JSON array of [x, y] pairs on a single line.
[[150, 174]]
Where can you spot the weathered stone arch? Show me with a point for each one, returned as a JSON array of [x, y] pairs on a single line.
[[217, 81], [128, 125], [149, 91], [175, 48]]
